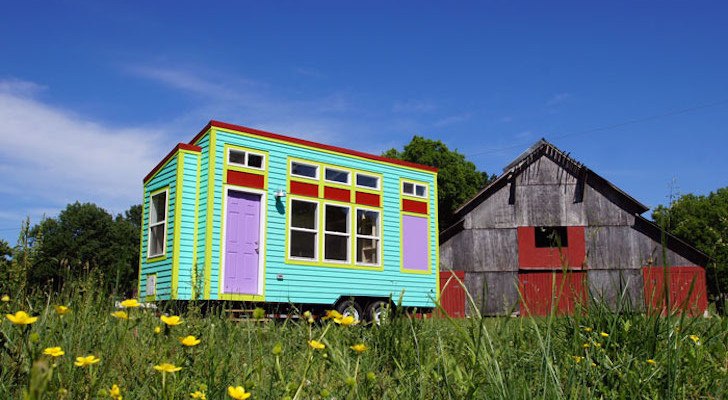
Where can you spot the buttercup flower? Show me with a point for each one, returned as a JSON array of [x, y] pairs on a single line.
[[587, 329], [346, 321], [651, 362], [54, 351], [586, 345], [62, 310], [359, 348], [577, 359], [120, 314], [115, 392], [86, 361], [604, 334], [198, 395], [167, 367], [331, 314], [21, 318], [130, 303], [695, 339], [238, 392], [316, 345], [189, 341], [172, 320], [157, 330], [5, 298]]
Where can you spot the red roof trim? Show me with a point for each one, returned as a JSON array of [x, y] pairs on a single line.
[[180, 146], [289, 139]]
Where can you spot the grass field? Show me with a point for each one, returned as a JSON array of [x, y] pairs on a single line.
[[599, 355]]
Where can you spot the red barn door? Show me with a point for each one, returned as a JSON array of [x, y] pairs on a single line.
[[452, 294], [540, 290], [686, 287]]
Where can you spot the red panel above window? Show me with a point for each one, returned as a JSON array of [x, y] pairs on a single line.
[[304, 189], [419, 207], [245, 179], [367, 199], [338, 194], [532, 257]]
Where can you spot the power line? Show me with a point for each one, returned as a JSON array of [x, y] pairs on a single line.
[[611, 126]]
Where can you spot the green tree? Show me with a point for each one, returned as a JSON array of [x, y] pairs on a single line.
[[458, 179], [703, 222]]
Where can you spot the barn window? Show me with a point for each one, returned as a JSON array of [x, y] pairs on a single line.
[[303, 232], [367, 237], [336, 233], [551, 236], [157, 224]]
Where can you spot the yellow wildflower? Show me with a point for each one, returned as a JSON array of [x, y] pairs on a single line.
[[172, 320], [86, 361], [651, 362], [157, 330], [120, 314], [695, 339], [198, 395], [115, 392], [604, 334], [54, 351], [189, 341], [332, 314], [346, 321], [316, 345], [587, 329], [167, 367], [5, 298], [21, 318], [62, 310], [577, 359], [130, 303], [238, 392], [598, 345], [359, 348], [586, 345]]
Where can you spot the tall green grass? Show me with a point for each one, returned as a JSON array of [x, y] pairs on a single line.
[[599, 354]]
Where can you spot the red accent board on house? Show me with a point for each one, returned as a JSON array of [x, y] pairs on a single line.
[[686, 285], [245, 179], [304, 189], [367, 199], [414, 206], [539, 290], [338, 194], [452, 294], [532, 257]]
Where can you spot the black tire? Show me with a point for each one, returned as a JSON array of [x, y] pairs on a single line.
[[348, 307], [378, 311]]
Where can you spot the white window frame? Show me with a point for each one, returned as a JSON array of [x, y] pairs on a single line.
[[246, 163], [347, 234], [316, 166], [151, 225], [379, 179], [348, 176], [378, 238], [415, 185], [315, 231]]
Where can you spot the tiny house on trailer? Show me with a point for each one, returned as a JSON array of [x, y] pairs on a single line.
[[241, 214]]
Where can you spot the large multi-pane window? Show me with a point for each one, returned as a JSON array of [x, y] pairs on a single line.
[[367, 237], [336, 233], [304, 229], [157, 224]]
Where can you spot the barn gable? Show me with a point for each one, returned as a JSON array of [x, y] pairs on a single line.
[[544, 187]]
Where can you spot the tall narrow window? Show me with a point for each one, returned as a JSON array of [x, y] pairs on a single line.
[[303, 229], [367, 237], [157, 224], [337, 232]]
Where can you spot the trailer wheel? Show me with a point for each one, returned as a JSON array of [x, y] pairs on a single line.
[[349, 307], [378, 312]]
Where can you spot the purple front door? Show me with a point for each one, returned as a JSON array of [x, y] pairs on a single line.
[[242, 237]]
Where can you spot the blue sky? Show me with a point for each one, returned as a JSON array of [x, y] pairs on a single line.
[[93, 94]]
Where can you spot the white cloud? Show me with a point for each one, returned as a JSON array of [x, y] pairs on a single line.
[[50, 156], [557, 99]]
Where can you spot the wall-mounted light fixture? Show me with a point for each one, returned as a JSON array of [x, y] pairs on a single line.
[[280, 193]]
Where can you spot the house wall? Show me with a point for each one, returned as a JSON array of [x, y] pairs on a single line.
[[287, 281]]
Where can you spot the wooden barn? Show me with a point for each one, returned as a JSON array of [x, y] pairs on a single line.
[[242, 214], [550, 232]]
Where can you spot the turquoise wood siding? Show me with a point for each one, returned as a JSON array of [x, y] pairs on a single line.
[[165, 177], [187, 240], [202, 245], [321, 284]]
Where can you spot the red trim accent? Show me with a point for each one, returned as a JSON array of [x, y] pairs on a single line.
[[532, 257], [452, 294], [367, 199], [290, 139], [304, 189], [539, 290], [245, 179], [180, 146], [681, 280], [338, 194], [414, 206]]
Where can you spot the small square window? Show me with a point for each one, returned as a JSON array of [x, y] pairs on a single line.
[[337, 175], [367, 181], [408, 188], [551, 236], [304, 170], [420, 191], [236, 157], [151, 288], [255, 160]]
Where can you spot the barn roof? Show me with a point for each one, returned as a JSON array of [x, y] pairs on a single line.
[[543, 148]]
